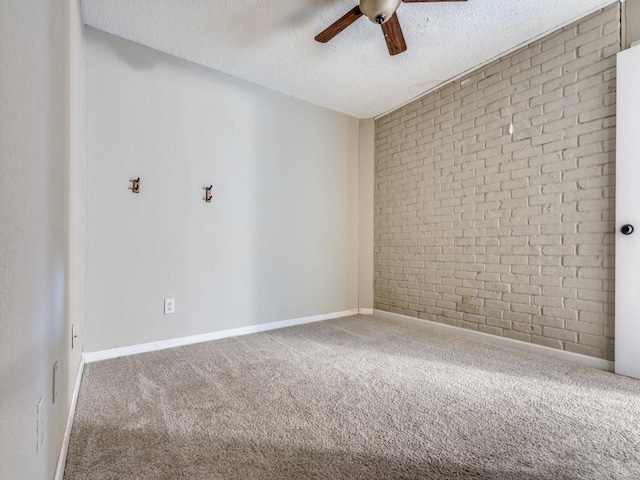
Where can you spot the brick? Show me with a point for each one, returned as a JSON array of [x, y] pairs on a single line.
[[586, 350], [560, 313], [546, 301], [525, 309], [490, 329], [527, 328], [547, 342], [548, 321], [523, 337], [582, 327], [560, 334], [592, 340], [510, 235]]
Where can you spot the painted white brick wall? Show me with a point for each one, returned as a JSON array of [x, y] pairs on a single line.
[[508, 234]]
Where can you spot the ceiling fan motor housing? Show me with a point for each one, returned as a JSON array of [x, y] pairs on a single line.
[[379, 11]]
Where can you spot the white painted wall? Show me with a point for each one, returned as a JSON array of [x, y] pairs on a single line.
[[40, 132], [365, 234], [631, 22], [75, 186], [279, 240]]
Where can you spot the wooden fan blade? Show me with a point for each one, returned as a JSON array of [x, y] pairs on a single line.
[[425, 1], [393, 35], [339, 26]]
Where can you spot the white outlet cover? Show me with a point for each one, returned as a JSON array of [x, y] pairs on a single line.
[[169, 306]]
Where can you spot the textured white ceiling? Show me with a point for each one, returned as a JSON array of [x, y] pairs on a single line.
[[271, 42]]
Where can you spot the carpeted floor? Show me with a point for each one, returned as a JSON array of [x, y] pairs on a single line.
[[353, 398]]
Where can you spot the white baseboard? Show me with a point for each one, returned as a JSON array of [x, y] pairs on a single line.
[[62, 456], [91, 357], [365, 311], [577, 358]]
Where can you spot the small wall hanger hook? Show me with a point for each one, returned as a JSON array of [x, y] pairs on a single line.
[[207, 194], [135, 185]]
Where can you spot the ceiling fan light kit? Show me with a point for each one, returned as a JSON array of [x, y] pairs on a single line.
[[379, 11], [382, 12]]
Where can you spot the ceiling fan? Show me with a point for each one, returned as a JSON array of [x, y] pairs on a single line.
[[382, 12]]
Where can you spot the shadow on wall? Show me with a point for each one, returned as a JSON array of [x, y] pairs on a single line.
[[305, 240], [136, 58], [34, 316]]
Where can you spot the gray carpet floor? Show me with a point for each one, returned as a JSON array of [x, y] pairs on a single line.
[[352, 398]]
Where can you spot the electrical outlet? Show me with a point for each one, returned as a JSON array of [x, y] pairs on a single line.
[[169, 306], [39, 424]]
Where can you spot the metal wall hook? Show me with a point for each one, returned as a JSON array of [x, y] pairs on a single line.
[[135, 185], [207, 194]]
